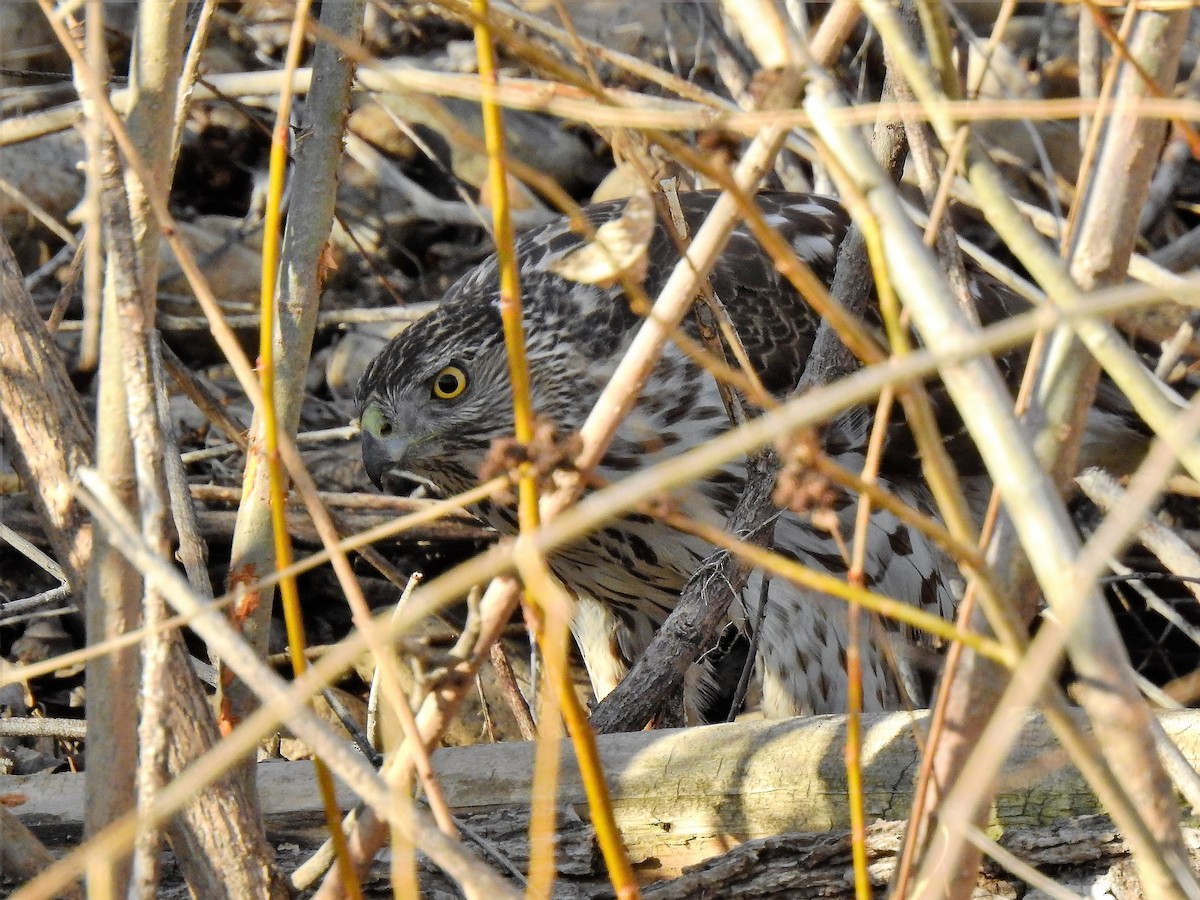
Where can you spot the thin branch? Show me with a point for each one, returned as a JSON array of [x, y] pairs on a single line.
[[216, 630]]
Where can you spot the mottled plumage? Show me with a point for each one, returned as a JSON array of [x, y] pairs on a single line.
[[628, 575]]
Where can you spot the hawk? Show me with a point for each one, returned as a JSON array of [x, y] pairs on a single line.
[[437, 397]]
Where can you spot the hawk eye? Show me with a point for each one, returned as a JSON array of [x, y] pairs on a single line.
[[449, 383]]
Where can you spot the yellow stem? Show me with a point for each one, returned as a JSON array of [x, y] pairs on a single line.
[[854, 706], [288, 593], [532, 566], [552, 641], [545, 779]]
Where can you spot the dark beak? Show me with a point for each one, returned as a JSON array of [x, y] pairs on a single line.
[[375, 459]]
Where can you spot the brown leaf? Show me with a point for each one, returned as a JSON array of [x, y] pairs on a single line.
[[619, 247]]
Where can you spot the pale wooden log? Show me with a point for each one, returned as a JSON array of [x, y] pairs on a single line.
[[682, 796], [52, 805]]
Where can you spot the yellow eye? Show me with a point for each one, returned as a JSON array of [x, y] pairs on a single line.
[[449, 383]]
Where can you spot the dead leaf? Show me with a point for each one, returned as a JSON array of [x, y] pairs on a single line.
[[619, 247]]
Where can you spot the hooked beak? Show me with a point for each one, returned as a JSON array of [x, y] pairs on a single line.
[[375, 459], [382, 448]]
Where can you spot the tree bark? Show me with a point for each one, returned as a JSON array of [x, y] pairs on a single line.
[[50, 434], [50, 438]]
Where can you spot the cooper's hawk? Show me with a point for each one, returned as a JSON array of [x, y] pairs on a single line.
[[436, 398]]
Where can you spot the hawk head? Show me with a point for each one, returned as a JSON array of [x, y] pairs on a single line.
[[435, 398]]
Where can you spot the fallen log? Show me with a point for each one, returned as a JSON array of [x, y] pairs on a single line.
[[682, 795], [751, 803]]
